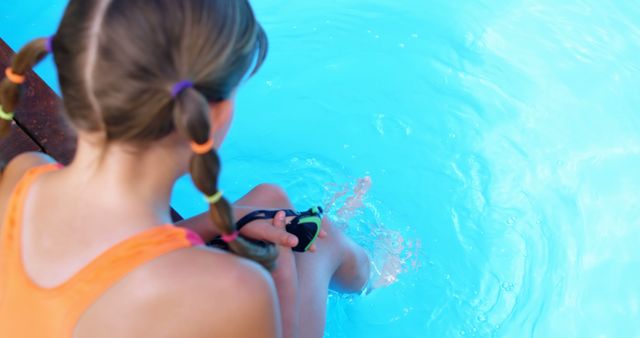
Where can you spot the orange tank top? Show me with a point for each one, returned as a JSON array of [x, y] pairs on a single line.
[[29, 311]]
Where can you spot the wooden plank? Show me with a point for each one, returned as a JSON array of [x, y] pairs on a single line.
[[175, 216], [38, 114]]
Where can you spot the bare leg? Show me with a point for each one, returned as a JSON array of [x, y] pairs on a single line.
[[338, 263], [285, 276]]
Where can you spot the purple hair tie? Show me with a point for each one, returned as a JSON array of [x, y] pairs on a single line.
[[180, 86], [48, 44]]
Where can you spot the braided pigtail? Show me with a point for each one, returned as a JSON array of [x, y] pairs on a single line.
[[15, 77], [191, 114]]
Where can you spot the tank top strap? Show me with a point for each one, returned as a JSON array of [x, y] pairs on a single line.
[[73, 297], [10, 231], [106, 270]]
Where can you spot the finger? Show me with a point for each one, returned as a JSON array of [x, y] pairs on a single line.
[[290, 240], [279, 220], [280, 236], [322, 234], [312, 248], [282, 215], [266, 232]]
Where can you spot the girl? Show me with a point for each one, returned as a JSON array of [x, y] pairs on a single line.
[[89, 251]]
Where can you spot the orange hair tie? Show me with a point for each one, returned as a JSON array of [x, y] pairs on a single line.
[[13, 77], [202, 149]]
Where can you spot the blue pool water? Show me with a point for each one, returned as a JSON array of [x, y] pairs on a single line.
[[502, 139]]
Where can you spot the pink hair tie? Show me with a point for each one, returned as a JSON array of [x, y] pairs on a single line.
[[230, 237]]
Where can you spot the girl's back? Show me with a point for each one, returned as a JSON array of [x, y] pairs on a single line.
[[89, 274], [87, 248]]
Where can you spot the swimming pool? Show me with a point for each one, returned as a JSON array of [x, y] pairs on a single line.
[[502, 141]]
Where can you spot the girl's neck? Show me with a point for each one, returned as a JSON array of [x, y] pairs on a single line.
[[136, 181]]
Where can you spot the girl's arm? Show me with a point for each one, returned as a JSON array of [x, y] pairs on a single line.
[[201, 225], [262, 230]]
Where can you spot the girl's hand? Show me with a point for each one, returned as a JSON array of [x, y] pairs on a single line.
[[270, 231], [274, 231]]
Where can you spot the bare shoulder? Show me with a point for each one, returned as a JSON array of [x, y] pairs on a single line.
[[225, 275], [17, 167], [14, 170], [198, 292], [26, 161]]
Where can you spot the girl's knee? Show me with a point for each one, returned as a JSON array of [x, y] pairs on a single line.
[[269, 195]]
